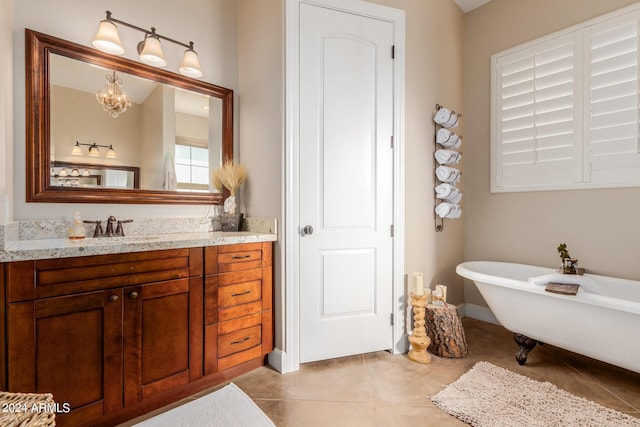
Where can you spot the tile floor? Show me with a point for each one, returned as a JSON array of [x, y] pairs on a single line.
[[381, 389]]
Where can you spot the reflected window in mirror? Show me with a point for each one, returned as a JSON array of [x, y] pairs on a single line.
[[192, 165]]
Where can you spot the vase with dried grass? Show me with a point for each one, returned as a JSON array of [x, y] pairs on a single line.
[[230, 176]]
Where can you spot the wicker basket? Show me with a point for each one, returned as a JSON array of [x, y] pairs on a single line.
[[26, 409]]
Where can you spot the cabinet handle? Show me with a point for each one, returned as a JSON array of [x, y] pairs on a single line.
[[133, 294], [237, 294], [240, 341], [240, 256], [113, 298]]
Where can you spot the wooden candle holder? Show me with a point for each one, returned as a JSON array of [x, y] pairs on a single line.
[[418, 338]]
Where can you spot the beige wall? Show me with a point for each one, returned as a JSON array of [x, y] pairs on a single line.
[[76, 116], [600, 227], [261, 121], [6, 111], [433, 75]]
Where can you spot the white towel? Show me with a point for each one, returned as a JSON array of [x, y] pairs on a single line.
[[448, 192], [170, 179], [455, 198], [445, 190], [448, 210], [448, 174], [447, 157], [449, 139], [585, 283], [446, 118]]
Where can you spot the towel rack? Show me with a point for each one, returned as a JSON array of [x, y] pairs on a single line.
[[451, 120]]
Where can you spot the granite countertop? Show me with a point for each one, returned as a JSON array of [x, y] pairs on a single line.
[[24, 250], [52, 246]]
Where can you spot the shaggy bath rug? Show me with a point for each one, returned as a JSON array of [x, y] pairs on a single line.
[[227, 407], [488, 395]]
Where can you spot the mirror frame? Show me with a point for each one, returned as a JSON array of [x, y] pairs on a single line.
[[38, 46]]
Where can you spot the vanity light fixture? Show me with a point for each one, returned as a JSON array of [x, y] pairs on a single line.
[[94, 151], [150, 52], [111, 97]]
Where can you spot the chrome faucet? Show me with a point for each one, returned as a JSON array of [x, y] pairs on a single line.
[[109, 232]]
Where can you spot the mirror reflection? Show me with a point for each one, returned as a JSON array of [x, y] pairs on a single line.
[[100, 116], [89, 175]]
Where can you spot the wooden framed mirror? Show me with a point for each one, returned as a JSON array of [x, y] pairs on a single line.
[[175, 131]]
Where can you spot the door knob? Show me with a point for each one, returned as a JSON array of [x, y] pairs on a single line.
[[113, 298], [307, 230], [133, 294]]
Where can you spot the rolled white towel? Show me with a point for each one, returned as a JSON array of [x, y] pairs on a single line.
[[446, 118], [448, 192], [448, 174], [455, 198], [447, 157], [585, 283], [444, 190], [447, 138], [448, 210]]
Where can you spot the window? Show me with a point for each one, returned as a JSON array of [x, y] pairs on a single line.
[[192, 166], [565, 109]]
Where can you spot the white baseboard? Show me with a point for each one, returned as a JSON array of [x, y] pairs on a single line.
[[276, 360], [281, 361], [477, 312]]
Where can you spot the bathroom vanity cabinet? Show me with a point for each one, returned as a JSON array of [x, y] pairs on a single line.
[[116, 336]]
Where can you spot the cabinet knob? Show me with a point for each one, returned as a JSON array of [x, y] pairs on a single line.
[[133, 294], [113, 298]]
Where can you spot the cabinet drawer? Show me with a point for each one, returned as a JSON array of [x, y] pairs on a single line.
[[55, 277], [238, 358], [240, 293], [239, 323], [237, 261], [238, 341], [239, 277], [239, 311]]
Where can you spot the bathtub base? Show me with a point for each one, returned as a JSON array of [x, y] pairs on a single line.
[[526, 344]]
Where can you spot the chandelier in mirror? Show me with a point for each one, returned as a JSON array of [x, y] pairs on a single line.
[[111, 97]]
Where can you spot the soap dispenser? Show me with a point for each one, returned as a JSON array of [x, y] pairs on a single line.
[[77, 230]]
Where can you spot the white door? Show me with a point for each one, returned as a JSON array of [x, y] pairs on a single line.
[[346, 183]]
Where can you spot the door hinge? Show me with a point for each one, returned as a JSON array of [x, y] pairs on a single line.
[[391, 141], [393, 52], [391, 230], [391, 319]]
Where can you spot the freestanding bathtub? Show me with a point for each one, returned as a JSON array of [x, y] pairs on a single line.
[[604, 324]]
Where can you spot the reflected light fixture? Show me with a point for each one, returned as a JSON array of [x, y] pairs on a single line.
[[94, 151], [150, 52], [111, 97]]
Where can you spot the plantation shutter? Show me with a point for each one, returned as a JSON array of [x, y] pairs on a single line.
[[536, 137], [611, 83]]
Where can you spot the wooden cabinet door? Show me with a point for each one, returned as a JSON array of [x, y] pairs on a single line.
[[70, 346], [163, 324]]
